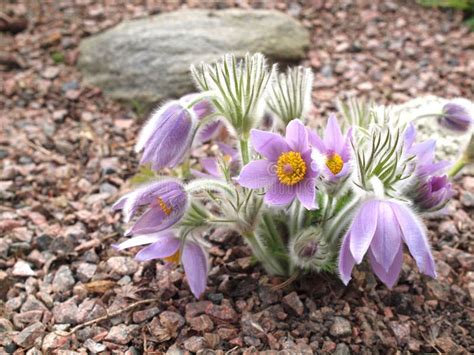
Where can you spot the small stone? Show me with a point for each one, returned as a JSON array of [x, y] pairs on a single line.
[[202, 323], [85, 271], [50, 72], [26, 338], [466, 260], [94, 347], [32, 304], [5, 325], [90, 309], [448, 228], [467, 199], [109, 165], [447, 345], [401, 332], [293, 301], [141, 316], [66, 312], [194, 343], [27, 318], [121, 334], [54, 341], [63, 280], [121, 265], [22, 269], [222, 312], [196, 308], [107, 188], [171, 320], [340, 328]]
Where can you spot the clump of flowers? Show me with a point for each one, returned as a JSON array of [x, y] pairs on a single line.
[[302, 200]]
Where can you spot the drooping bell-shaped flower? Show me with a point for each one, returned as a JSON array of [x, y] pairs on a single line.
[[457, 115], [286, 171], [203, 108], [332, 154], [433, 193], [379, 229], [167, 137], [166, 202], [164, 245]]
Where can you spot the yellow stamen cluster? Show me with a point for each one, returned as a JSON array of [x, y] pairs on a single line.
[[164, 207], [290, 168], [173, 258], [335, 163]]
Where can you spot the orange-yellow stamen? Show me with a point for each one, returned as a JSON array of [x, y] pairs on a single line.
[[335, 163], [173, 258], [164, 207], [290, 168]]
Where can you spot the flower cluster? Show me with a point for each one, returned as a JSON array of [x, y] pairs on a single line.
[[302, 199]]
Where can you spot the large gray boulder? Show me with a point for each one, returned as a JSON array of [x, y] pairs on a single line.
[[148, 59]]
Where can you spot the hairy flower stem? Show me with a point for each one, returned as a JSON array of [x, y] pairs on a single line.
[[457, 167], [244, 149], [268, 262]]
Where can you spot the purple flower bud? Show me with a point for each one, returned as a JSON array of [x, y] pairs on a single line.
[[456, 116], [167, 136], [433, 193], [166, 201], [202, 109]]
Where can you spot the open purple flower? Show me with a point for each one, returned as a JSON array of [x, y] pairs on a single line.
[[166, 201], [286, 171], [203, 109], [333, 153], [166, 246], [457, 116], [167, 136], [380, 228]]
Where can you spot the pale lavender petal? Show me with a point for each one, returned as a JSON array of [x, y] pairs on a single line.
[[279, 194], [306, 193], [346, 261], [333, 138], [152, 221], [414, 235], [268, 144], [363, 229], [388, 276], [387, 237], [316, 141], [211, 166], [120, 203], [257, 174], [424, 151], [409, 136], [209, 131], [196, 267], [162, 248], [139, 240], [228, 150], [345, 152], [297, 136]]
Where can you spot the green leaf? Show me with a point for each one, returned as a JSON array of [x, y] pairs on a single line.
[[145, 174]]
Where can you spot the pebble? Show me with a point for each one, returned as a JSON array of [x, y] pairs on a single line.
[[50, 72], [33, 304], [467, 199], [171, 320], [223, 312], [121, 265], [27, 337], [194, 343], [54, 341], [22, 269], [85, 271], [90, 309], [66, 312], [293, 301], [121, 334], [401, 332], [94, 347], [202, 323], [146, 314], [342, 349], [109, 165], [340, 328], [63, 279]]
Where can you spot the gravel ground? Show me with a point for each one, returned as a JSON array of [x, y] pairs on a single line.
[[66, 151]]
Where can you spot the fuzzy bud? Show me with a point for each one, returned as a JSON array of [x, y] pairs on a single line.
[[308, 250]]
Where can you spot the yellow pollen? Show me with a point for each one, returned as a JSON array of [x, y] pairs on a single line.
[[290, 168], [164, 207], [335, 163], [173, 258]]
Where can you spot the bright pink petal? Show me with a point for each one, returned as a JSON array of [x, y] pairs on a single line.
[[346, 261], [162, 248], [279, 194], [297, 136], [363, 229], [388, 276], [256, 174], [196, 267], [268, 144]]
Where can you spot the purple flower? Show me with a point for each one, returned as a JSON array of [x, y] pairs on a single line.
[[380, 228], [333, 152], [456, 116], [433, 193], [166, 201], [167, 136], [211, 165], [286, 172], [166, 246], [202, 109]]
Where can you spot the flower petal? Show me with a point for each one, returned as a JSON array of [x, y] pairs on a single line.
[[387, 237], [388, 276], [279, 194], [363, 229], [333, 138], [152, 221], [256, 174], [162, 248], [306, 193], [414, 236], [316, 141], [297, 136], [196, 267], [268, 144], [346, 261], [211, 166], [139, 240]]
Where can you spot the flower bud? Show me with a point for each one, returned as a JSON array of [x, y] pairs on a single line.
[[433, 193], [308, 250], [457, 115]]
